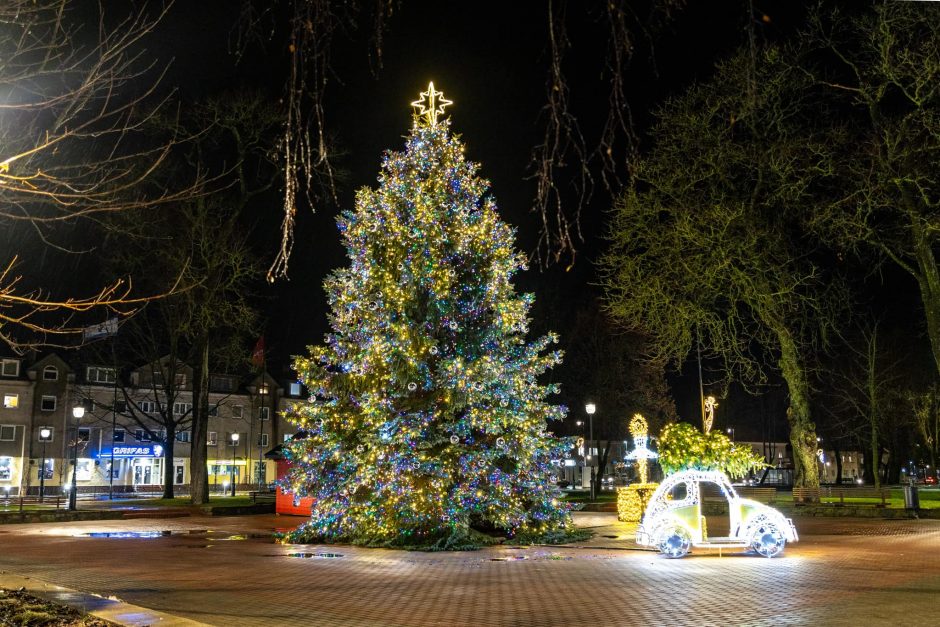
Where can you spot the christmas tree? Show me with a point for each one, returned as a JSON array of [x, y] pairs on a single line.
[[426, 423]]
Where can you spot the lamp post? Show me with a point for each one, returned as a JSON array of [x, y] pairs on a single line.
[[232, 471], [589, 409], [78, 411], [731, 433], [44, 434]]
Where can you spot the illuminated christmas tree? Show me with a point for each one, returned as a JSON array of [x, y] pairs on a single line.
[[427, 422]]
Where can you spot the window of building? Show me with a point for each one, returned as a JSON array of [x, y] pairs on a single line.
[[120, 406], [50, 373], [180, 380], [148, 407], [263, 439], [7, 433], [212, 438], [182, 436], [288, 437], [11, 401], [237, 411], [49, 470], [179, 475], [265, 413], [214, 410], [11, 368], [6, 468], [84, 434], [47, 403], [181, 409], [96, 374], [295, 389], [141, 435], [119, 435], [218, 383], [45, 429]]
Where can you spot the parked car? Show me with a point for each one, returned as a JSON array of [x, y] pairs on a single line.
[[930, 480], [673, 520]]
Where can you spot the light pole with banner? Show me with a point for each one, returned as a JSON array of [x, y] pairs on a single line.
[[78, 411], [44, 435]]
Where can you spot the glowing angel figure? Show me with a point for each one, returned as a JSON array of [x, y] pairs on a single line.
[[710, 405], [639, 429]]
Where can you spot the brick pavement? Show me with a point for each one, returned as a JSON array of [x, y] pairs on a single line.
[[224, 571]]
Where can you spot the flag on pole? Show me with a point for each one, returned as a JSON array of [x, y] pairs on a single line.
[[257, 355], [105, 329]]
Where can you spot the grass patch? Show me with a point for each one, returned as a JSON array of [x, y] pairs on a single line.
[[20, 608]]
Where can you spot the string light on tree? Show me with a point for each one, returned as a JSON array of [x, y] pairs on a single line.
[[427, 421]]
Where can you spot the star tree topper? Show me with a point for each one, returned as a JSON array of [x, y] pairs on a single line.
[[430, 105]]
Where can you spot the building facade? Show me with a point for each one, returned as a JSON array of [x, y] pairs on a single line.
[[133, 427]]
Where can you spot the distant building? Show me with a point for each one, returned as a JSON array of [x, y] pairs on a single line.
[[122, 424]]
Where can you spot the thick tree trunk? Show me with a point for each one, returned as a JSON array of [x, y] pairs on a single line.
[[802, 429], [168, 469], [838, 456], [928, 279], [199, 473]]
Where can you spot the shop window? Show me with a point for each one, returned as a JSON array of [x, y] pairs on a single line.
[[47, 403], [50, 373], [11, 367], [84, 469], [179, 475], [6, 468], [11, 401], [7, 433], [119, 435], [50, 470]]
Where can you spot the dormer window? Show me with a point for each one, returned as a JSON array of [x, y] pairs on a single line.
[[11, 368], [50, 373]]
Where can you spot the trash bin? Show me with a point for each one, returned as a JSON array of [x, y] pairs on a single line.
[[911, 499]]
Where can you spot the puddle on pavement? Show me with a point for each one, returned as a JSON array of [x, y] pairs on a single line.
[[125, 534], [314, 555], [514, 558]]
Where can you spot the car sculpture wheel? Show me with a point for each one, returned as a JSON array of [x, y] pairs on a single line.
[[673, 521]]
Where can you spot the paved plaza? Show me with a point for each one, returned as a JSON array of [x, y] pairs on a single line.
[[227, 571]]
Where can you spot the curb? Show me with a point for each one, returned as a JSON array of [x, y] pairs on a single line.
[[109, 609]]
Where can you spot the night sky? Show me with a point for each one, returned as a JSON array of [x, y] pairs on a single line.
[[489, 58]]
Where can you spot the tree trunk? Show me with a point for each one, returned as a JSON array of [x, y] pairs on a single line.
[[838, 455], [168, 469], [802, 429], [199, 473]]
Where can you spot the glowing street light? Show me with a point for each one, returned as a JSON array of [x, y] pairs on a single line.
[[77, 412], [45, 434], [235, 437], [589, 409]]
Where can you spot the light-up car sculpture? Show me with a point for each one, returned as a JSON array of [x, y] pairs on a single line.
[[673, 521]]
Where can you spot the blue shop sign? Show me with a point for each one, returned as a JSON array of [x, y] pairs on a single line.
[[125, 452]]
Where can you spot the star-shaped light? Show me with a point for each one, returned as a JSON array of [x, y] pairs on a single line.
[[430, 105]]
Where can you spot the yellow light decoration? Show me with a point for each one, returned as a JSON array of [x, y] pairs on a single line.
[[434, 107], [710, 405]]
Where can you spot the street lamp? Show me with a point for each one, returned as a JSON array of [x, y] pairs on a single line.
[[78, 411], [44, 434], [731, 433], [589, 409], [232, 469]]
